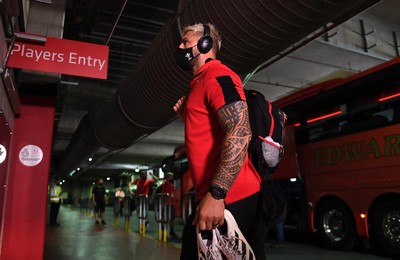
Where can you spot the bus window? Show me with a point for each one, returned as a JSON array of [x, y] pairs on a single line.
[[356, 115]]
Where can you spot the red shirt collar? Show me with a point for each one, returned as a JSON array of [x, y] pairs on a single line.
[[209, 63]]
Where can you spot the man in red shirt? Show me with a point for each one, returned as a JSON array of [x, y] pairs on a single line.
[[217, 135], [143, 183], [168, 187]]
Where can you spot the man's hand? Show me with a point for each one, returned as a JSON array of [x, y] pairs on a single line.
[[209, 213], [179, 108]]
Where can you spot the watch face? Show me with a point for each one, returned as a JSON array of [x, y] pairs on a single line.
[[217, 192]]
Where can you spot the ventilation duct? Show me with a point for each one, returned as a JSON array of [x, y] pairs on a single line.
[[253, 31]]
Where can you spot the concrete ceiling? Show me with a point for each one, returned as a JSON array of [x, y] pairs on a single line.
[[136, 25]]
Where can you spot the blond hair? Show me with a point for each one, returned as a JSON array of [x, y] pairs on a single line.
[[198, 28]]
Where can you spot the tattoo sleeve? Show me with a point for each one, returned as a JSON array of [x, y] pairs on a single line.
[[234, 120]]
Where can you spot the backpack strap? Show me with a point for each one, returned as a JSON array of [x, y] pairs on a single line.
[[271, 129]]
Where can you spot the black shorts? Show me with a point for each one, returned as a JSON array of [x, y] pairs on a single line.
[[99, 207]]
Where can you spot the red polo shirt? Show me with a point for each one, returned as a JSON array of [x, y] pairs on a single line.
[[168, 187], [143, 186], [213, 87]]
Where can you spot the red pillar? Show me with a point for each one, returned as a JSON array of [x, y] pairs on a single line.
[[5, 144], [26, 195]]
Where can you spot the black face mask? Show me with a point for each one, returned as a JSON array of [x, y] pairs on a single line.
[[184, 58]]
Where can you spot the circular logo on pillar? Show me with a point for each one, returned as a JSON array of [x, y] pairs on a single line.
[[30, 155], [3, 153]]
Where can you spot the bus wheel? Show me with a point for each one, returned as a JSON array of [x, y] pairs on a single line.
[[335, 226], [386, 228]]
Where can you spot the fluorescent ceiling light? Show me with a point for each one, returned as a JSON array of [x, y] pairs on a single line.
[[72, 83], [23, 37], [44, 1]]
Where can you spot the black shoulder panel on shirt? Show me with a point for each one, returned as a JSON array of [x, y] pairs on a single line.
[[228, 89]]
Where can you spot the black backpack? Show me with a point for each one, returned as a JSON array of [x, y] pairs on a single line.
[[266, 149], [267, 123]]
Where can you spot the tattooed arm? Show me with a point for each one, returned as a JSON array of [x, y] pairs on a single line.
[[234, 121]]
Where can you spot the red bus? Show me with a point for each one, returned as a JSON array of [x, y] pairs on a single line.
[[343, 143]]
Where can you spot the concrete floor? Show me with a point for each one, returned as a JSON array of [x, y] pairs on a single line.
[[79, 238]]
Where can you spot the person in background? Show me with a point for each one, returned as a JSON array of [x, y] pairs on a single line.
[[217, 135], [279, 225], [144, 185], [265, 222], [279, 236], [120, 195], [55, 201], [98, 200], [168, 187]]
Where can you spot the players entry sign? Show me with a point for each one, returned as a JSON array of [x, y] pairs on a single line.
[[62, 56]]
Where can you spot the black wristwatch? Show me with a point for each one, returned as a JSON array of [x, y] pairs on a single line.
[[217, 192]]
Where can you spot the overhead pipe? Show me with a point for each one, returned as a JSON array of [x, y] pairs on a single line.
[[253, 31]]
